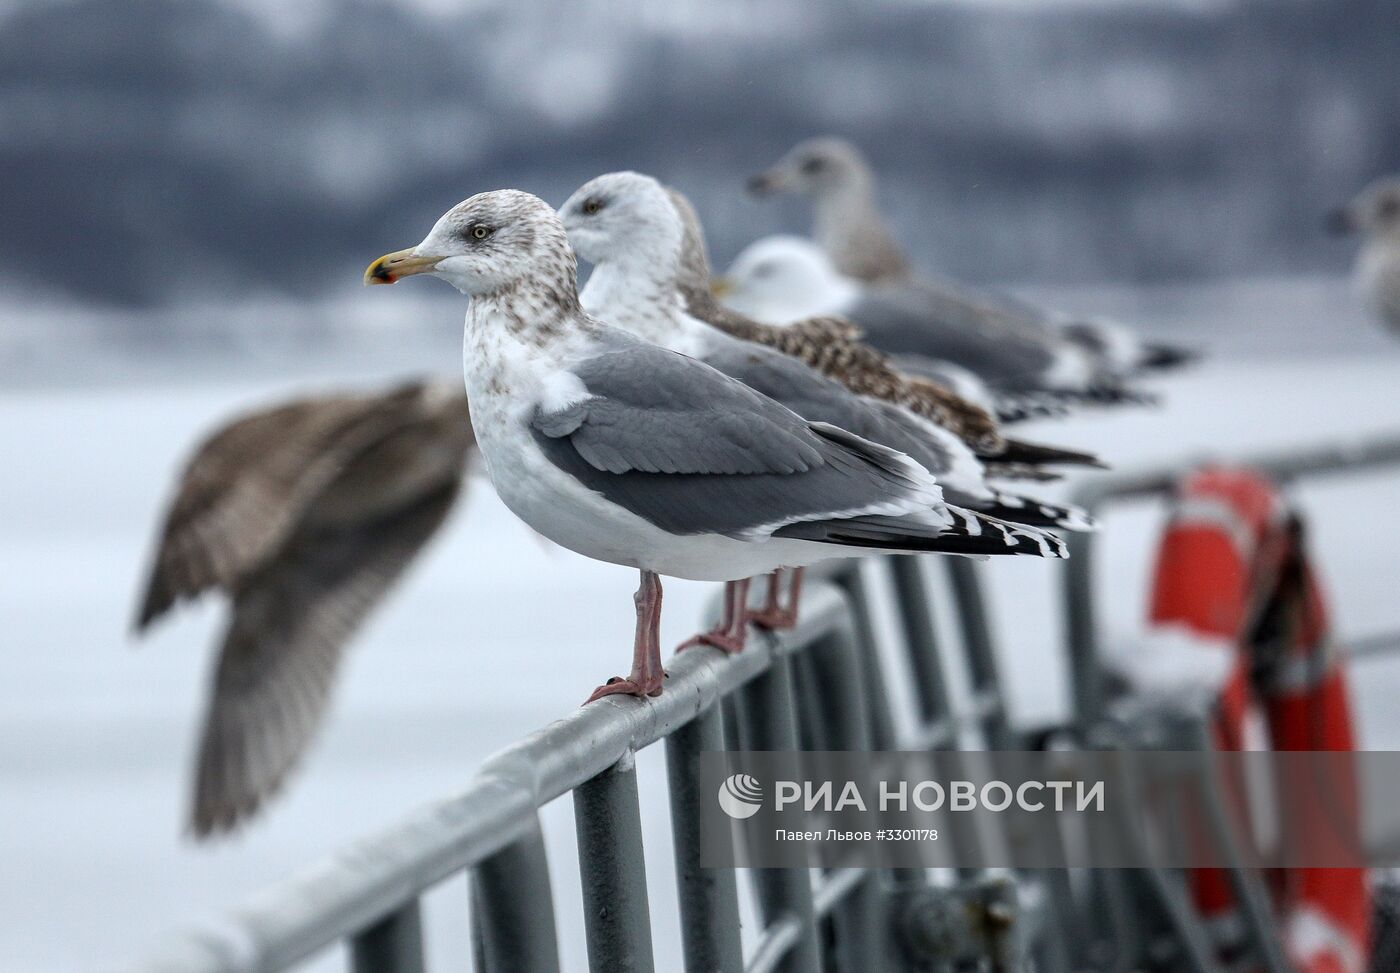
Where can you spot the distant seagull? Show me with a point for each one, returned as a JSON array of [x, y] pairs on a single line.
[[835, 347], [849, 228], [628, 226], [1376, 214], [633, 454], [304, 515]]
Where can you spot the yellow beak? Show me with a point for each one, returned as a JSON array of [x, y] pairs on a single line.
[[400, 263], [721, 286]]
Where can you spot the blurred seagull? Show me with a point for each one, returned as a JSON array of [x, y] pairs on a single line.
[[1376, 214], [848, 226], [304, 515], [629, 227], [633, 454], [835, 347]]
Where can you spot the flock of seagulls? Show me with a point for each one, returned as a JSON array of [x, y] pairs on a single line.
[[819, 400]]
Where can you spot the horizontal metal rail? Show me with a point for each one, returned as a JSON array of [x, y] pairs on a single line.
[[367, 895]]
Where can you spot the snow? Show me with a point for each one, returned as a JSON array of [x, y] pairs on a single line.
[[96, 734]]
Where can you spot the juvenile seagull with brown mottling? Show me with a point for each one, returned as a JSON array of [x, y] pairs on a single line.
[[304, 515]]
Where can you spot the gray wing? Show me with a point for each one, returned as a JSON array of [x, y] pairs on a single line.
[[675, 442], [290, 624], [900, 323], [817, 398]]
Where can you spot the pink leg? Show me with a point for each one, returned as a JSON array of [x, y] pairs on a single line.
[[773, 616], [647, 674], [733, 629]]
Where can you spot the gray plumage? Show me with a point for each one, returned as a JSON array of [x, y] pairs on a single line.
[[304, 515], [848, 225], [695, 452]]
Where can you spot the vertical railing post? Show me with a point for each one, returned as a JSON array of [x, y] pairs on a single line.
[[709, 898], [768, 722], [847, 578], [863, 924], [607, 817], [394, 944], [981, 653], [513, 910]]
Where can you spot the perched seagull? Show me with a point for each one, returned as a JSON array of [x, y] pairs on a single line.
[[835, 347], [629, 227], [1376, 213], [304, 515], [848, 226], [634, 454], [782, 278]]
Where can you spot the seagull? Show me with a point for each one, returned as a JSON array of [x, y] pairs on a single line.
[[848, 226], [629, 227], [834, 347], [634, 454], [782, 277], [303, 515], [1376, 214]]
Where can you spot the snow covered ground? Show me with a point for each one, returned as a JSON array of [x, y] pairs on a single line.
[[96, 733]]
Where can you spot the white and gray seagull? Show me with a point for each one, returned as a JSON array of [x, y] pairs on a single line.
[[1025, 348], [631, 229], [633, 454]]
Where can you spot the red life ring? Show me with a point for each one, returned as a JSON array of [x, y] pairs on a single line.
[[1232, 546]]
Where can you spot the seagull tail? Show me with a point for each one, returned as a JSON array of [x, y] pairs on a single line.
[[1039, 454], [1160, 356], [971, 533], [1030, 512], [1108, 393], [1013, 407]]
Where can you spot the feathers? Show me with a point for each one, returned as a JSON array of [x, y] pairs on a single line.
[[302, 514]]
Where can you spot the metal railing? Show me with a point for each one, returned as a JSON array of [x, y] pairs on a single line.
[[820, 686], [368, 894]]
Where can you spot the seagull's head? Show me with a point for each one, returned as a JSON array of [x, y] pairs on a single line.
[[487, 244], [814, 167], [779, 279], [1375, 212], [623, 217]]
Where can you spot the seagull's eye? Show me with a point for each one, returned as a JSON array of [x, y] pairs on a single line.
[[813, 165], [592, 205], [480, 232], [763, 270], [1389, 208]]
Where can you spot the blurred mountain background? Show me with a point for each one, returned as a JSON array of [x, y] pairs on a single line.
[[154, 152]]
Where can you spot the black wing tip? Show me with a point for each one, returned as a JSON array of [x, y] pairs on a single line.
[[158, 600], [1021, 451], [1160, 356]]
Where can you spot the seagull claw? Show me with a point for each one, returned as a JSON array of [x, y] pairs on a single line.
[[617, 685], [722, 640]]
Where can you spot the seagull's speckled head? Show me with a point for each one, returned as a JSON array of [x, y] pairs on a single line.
[[621, 216], [813, 167], [1375, 212], [489, 243]]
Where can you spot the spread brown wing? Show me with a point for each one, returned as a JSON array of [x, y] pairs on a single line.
[[244, 491], [291, 621]]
